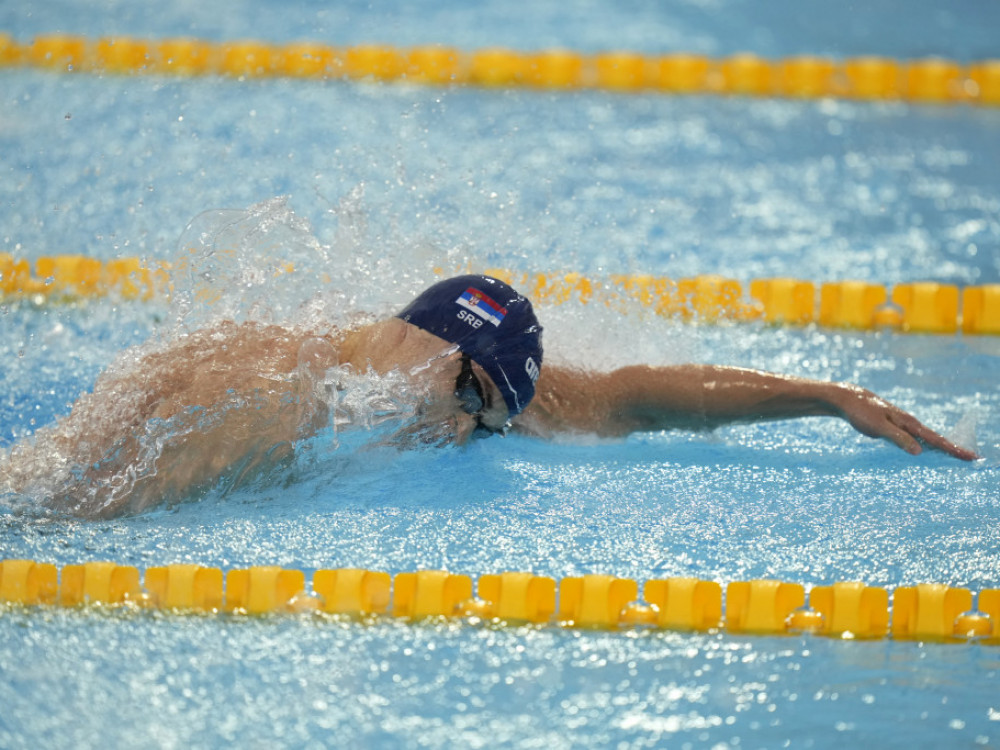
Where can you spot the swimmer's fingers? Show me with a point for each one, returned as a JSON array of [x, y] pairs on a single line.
[[914, 430], [879, 419]]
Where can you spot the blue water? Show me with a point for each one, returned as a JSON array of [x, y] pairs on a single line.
[[396, 180]]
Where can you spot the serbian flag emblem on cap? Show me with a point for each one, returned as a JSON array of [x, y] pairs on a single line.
[[474, 300]]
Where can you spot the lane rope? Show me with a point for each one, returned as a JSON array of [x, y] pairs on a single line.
[[842, 610], [932, 80], [921, 307]]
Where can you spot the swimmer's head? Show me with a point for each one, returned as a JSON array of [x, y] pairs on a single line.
[[491, 323]]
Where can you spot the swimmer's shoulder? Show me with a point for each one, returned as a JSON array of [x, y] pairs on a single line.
[[567, 399]]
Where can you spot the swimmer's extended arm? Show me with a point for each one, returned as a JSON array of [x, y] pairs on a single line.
[[641, 398]]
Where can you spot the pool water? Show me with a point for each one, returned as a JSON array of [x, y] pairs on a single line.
[[396, 180]]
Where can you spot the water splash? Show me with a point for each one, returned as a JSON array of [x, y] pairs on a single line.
[[263, 264], [255, 307]]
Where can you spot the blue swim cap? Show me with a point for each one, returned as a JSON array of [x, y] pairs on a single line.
[[491, 323]]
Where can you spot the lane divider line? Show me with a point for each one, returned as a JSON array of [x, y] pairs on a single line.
[[931, 80], [921, 307], [845, 609]]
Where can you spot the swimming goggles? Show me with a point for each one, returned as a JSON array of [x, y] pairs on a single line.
[[469, 392]]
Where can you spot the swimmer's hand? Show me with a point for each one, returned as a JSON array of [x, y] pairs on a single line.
[[877, 418]]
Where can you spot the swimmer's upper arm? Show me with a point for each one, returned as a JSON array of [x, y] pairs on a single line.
[[608, 404], [642, 398]]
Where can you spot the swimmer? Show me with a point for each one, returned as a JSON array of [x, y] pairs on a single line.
[[471, 344]]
